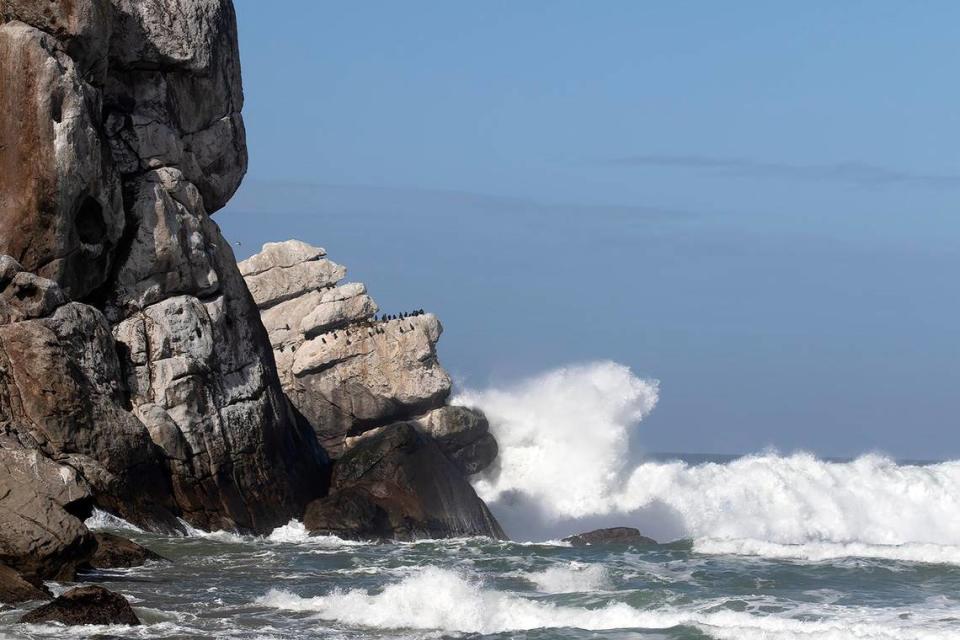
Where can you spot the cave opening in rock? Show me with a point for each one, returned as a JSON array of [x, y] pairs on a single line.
[[89, 221]]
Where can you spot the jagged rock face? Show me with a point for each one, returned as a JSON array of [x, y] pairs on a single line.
[[121, 132], [41, 534], [347, 373], [343, 371], [60, 395], [14, 589], [61, 212], [463, 434], [396, 483]]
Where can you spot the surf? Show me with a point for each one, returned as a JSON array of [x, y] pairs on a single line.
[[565, 462]]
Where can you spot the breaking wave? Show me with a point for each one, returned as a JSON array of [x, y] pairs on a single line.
[[565, 458], [441, 599]]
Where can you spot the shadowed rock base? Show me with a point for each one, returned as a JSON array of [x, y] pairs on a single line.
[[397, 483]]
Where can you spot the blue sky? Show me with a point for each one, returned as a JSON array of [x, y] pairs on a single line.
[[754, 202]]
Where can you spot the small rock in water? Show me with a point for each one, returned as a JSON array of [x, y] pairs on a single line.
[[116, 552], [85, 605], [613, 535]]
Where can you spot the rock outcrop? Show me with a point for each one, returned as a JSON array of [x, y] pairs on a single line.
[[14, 589], [627, 536], [117, 552], [85, 605], [136, 373], [375, 394], [348, 372], [130, 347], [42, 535], [396, 483]]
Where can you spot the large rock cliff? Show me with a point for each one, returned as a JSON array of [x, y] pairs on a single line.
[[136, 374], [373, 390], [121, 132]]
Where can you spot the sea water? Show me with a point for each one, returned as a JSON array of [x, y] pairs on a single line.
[[760, 546]]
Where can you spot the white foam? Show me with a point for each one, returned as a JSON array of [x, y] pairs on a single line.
[[575, 418], [104, 520], [574, 577], [294, 532], [826, 551], [219, 536], [438, 599], [564, 454]]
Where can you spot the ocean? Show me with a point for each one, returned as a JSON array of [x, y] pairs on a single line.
[[768, 545], [288, 585]]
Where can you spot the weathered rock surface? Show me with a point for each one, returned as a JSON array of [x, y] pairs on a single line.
[[612, 536], [463, 434], [120, 131], [14, 589], [116, 552], [396, 483], [42, 535], [85, 605], [347, 372], [60, 397], [61, 211]]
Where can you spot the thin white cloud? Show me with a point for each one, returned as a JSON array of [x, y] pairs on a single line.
[[856, 173]]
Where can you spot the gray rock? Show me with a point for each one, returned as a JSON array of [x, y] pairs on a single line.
[[42, 535], [14, 589], [282, 255], [147, 94], [463, 434], [396, 483], [626, 536], [84, 605], [344, 372], [61, 212], [116, 552], [283, 283], [82, 27]]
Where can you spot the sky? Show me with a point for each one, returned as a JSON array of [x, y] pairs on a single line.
[[755, 203]]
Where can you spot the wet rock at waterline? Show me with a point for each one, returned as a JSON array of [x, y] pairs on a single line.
[[610, 536], [117, 552], [395, 482], [14, 589], [85, 605]]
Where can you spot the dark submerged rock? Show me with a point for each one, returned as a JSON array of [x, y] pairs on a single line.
[[116, 552], [611, 536], [85, 605]]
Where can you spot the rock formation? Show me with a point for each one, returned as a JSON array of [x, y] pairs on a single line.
[[347, 373], [627, 536], [121, 132], [396, 483], [136, 374], [85, 605], [14, 589], [352, 376], [116, 552]]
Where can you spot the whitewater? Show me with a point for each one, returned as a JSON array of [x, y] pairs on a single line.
[[787, 506], [764, 546]]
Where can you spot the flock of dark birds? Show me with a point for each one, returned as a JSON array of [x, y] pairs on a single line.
[[373, 325]]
